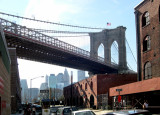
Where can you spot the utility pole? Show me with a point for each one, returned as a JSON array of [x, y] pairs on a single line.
[[49, 96], [71, 87], [54, 96]]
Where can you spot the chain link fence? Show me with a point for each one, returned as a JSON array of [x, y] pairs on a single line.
[[103, 101]]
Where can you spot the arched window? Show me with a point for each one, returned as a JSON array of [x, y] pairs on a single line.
[[81, 86], [86, 86], [147, 70], [147, 43], [145, 19], [91, 85]]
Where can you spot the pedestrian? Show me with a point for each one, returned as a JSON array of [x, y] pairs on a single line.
[[33, 110], [145, 105], [27, 111]]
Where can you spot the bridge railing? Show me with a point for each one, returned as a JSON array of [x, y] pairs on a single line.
[[29, 34]]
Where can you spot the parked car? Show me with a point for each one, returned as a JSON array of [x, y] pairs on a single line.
[[83, 112], [38, 109], [66, 110], [130, 112], [53, 110]]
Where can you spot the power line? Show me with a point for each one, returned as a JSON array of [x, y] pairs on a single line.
[[50, 22]]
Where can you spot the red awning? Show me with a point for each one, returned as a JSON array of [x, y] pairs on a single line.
[[137, 87]]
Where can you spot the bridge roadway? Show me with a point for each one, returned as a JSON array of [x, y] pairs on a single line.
[[35, 46]]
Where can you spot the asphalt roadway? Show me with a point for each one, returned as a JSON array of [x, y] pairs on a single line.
[[97, 112]]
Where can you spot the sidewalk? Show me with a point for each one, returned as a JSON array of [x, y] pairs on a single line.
[[100, 111]]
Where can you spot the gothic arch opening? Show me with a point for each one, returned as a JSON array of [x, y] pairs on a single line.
[[81, 101], [101, 51], [77, 101], [91, 101], [115, 52]]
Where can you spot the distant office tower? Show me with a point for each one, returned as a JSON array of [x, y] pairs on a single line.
[[66, 78], [81, 75], [52, 81], [24, 91], [60, 86], [44, 86], [34, 94], [60, 78], [46, 78]]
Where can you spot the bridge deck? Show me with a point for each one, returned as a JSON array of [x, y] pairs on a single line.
[[36, 46]]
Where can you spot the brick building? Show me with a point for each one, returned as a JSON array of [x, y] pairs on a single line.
[[5, 94], [15, 82], [90, 92], [147, 16]]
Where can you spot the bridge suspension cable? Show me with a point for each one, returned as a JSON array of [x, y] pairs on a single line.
[[57, 31], [68, 25]]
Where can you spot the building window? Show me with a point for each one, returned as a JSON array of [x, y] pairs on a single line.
[[91, 85], [86, 86], [145, 19], [147, 43], [147, 70]]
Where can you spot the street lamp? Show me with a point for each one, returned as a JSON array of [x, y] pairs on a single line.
[[31, 85]]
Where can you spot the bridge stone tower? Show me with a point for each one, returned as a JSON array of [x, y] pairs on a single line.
[[107, 37]]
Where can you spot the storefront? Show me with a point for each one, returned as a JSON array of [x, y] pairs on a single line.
[[134, 95]]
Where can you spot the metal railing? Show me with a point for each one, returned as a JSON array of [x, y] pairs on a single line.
[[37, 37]]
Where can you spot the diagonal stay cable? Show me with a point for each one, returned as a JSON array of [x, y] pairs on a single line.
[[131, 51]]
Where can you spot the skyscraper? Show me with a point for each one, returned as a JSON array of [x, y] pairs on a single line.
[[34, 94], [46, 79], [24, 91], [44, 86], [60, 77], [81, 75], [66, 78], [60, 86], [52, 81]]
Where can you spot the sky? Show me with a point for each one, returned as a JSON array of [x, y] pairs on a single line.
[[91, 13]]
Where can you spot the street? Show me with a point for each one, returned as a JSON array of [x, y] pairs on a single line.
[[97, 112]]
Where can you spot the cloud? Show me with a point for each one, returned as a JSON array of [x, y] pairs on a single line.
[[54, 11]]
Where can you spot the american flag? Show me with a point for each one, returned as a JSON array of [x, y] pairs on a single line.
[[108, 24]]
